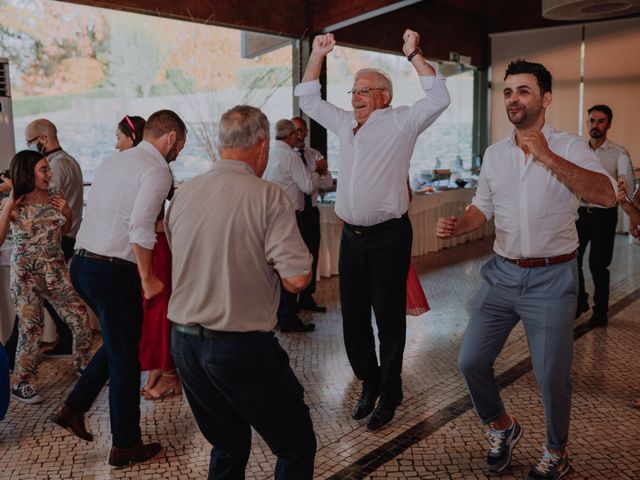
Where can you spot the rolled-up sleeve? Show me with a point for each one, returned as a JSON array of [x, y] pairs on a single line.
[[580, 154], [153, 191], [483, 199], [323, 112], [425, 111], [284, 247]]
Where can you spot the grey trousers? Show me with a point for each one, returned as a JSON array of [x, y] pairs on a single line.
[[545, 299]]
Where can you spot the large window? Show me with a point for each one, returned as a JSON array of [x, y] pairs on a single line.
[[84, 68], [447, 144]]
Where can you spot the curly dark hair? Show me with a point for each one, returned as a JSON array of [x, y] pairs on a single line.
[[543, 76], [22, 171]]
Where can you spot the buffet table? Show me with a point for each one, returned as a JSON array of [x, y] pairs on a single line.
[[424, 212]]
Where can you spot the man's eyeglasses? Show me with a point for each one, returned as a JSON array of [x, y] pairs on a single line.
[[364, 91], [301, 130]]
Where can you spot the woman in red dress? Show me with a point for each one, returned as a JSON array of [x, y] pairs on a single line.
[[416, 299], [155, 342]]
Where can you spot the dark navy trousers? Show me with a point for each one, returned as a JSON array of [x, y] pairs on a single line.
[[114, 293], [241, 380]]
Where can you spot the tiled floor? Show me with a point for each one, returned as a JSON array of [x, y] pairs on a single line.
[[435, 434]]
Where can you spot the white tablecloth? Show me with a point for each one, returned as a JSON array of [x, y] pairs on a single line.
[[424, 211]]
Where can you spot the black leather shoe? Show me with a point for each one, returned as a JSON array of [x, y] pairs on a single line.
[[313, 307], [598, 321], [296, 325], [365, 405], [119, 457], [381, 416], [71, 421]]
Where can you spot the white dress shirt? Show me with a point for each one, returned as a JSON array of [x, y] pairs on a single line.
[[535, 213], [287, 170], [67, 176], [616, 161], [324, 181], [374, 163], [124, 202]]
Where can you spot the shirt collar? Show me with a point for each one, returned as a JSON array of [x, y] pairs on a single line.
[[281, 144], [605, 145], [374, 115], [237, 166], [547, 131], [147, 147]]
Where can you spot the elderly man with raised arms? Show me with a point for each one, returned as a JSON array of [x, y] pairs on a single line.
[[376, 144]]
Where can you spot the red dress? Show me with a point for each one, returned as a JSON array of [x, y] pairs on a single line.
[[155, 342], [416, 299]]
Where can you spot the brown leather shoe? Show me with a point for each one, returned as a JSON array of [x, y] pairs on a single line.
[[71, 421], [119, 457]]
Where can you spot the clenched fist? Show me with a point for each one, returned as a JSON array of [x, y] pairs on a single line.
[[323, 44], [411, 41]]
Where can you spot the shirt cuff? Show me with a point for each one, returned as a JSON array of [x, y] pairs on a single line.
[[427, 82], [143, 237], [307, 88], [486, 212]]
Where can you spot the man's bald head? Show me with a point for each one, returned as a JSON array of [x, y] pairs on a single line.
[[42, 126]]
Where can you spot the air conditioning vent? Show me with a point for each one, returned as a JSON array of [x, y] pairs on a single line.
[[588, 9], [5, 89]]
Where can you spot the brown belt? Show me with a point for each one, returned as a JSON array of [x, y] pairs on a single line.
[[115, 260], [541, 262]]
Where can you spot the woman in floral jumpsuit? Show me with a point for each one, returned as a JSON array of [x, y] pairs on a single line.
[[39, 216]]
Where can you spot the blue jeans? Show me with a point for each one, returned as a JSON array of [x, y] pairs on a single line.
[[114, 293], [544, 298], [241, 380]]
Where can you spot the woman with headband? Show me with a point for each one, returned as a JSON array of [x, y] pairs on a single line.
[[155, 342], [129, 132]]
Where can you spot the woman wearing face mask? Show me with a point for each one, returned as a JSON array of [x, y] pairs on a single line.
[[38, 216], [155, 342]]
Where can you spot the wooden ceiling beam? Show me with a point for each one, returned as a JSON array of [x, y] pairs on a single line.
[[442, 29], [282, 17], [331, 15]]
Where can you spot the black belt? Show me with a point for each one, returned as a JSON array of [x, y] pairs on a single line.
[[200, 331], [542, 262], [597, 209], [377, 228], [94, 256]]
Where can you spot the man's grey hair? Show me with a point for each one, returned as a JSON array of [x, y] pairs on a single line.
[[382, 77], [284, 128], [242, 127]]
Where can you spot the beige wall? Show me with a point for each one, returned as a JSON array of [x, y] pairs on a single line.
[[611, 75], [558, 49]]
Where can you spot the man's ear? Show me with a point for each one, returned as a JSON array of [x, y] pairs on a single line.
[[387, 97], [546, 99]]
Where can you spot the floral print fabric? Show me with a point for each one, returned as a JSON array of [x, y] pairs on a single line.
[[39, 271]]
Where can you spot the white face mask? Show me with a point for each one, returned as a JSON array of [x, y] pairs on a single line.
[[36, 147]]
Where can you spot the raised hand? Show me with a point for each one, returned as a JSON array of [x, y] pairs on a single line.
[[411, 41], [58, 202], [323, 44], [533, 143], [447, 227]]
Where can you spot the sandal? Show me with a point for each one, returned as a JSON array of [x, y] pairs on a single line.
[[151, 382], [635, 403], [173, 389]]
